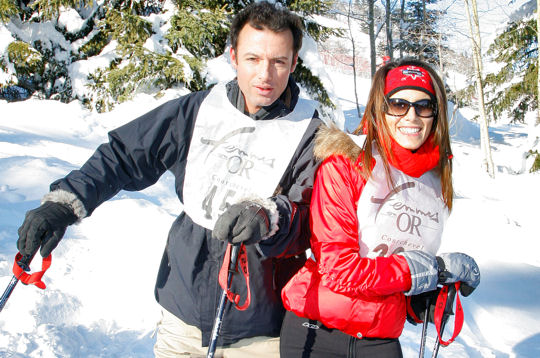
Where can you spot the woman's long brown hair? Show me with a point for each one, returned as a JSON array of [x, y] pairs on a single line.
[[373, 124]]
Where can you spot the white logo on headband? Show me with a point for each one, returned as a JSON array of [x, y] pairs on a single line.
[[412, 72]]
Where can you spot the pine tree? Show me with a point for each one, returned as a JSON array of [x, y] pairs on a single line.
[[419, 34], [37, 61], [139, 69], [192, 32], [514, 87]]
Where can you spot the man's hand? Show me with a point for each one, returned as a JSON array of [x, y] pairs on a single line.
[[44, 227], [246, 222]]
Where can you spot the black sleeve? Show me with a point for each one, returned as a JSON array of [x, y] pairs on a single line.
[[137, 153], [293, 199]]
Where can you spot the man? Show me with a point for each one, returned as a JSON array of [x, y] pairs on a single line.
[[241, 154]]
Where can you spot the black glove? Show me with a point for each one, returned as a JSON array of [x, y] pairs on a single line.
[[44, 226], [420, 302], [458, 267], [246, 222]]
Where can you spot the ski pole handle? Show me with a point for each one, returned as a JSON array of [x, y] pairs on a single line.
[[449, 303], [24, 264]]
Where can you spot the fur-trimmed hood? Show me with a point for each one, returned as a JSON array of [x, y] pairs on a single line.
[[333, 141]]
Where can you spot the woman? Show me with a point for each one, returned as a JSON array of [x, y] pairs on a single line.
[[379, 205]]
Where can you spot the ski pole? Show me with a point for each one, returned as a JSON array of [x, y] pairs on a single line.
[[438, 341], [223, 299], [24, 264], [449, 303], [424, 328]]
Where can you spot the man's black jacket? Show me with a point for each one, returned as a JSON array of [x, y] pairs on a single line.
[[135, 157]]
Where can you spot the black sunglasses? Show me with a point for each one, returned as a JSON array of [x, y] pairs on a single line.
[[400, 107]]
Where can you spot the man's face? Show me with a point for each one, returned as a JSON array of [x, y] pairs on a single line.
[[263, 61]]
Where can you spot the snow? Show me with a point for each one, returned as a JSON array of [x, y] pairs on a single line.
[[44, 32], [70, 20], [327, 22], [5, 38], [310, 55], [80, 70], [99, 298]]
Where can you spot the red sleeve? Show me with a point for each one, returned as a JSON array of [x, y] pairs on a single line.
[[334, 242]]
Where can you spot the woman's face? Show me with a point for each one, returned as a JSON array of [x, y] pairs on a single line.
[[409, 129]]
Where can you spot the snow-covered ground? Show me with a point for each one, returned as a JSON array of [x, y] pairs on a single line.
[[99, 297]]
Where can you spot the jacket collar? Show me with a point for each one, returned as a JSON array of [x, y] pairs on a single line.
[[281, 107]]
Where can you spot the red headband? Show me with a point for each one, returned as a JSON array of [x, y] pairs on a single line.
[[408, 77]]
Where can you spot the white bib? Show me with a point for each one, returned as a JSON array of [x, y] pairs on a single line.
[[410, 216], [232, 156]]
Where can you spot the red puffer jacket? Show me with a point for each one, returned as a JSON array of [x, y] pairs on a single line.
[[360, 296]]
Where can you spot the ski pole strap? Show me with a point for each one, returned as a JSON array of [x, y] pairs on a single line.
[[223, 275], [34, 278], [410, 310], [439, 313]]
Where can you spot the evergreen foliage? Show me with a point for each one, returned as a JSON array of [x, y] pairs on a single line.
[[48, 9], [26, 59], [535, 167], [121, 31], [305, 8], [420, 33], [513, 88], [8, 8], [140, 70], [201, 31], [316, 89]]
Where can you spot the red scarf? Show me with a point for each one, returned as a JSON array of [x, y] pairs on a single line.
[[414, 164]]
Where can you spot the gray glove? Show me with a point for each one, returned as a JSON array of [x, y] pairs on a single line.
[[44, 227], [455, 267], [246, 222], [424, 271]]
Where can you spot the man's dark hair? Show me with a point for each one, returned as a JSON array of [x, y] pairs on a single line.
[[261, 15]]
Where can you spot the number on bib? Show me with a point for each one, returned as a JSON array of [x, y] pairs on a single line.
[[208, 199], [207, 202], [382, 249]]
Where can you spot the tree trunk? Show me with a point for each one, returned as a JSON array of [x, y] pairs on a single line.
[[441, 65], [371, 23], [423, 31], [538, 59], [389, 45], [474, 28], [402, 18], [354, 60]]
